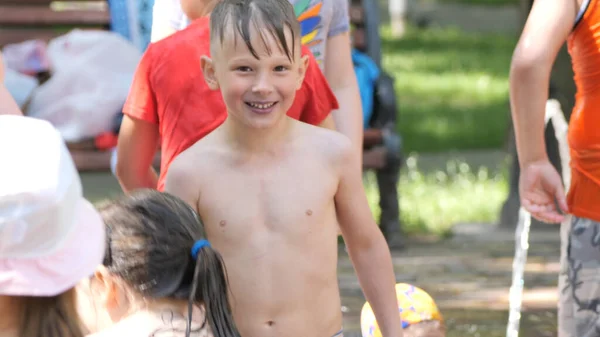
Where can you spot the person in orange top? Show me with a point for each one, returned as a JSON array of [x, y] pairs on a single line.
[[549, 24], [170, 102]]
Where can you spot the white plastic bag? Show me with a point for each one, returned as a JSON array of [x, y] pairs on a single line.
[[92, 73], [19, 86], [27, 57]]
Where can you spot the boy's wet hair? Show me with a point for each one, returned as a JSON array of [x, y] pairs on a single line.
[[273, 15], [149, 243]]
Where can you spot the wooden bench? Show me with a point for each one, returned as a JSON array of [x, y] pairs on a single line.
[[22, 20]]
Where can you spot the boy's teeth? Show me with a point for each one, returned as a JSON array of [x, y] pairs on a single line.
[[261, 106]]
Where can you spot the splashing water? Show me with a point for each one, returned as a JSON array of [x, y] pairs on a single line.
[[555, 115], [518, 267]]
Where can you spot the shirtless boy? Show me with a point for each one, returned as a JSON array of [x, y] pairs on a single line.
[[170, 103], [268, 187]]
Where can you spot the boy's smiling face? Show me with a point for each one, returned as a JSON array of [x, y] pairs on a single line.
[[257, 90]]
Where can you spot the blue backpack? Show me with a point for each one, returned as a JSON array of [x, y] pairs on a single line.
[[367, 74]]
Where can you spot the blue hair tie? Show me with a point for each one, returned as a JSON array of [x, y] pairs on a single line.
[[199, 245]]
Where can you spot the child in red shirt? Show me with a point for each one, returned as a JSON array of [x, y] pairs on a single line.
[[169, 100]]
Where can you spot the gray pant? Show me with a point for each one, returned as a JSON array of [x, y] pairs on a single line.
[[579, 279]]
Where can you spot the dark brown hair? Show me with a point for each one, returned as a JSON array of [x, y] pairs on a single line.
[[150, 236], [54, 316], [272, 15]]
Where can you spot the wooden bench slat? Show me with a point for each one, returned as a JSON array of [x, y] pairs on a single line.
[[37, 15], [8, 36], [16, 35], [25, 2], [39, 2]]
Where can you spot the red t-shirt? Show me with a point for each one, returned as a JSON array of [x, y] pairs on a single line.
[[169, 89]]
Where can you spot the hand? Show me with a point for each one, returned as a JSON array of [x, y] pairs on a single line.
[[540, 188]]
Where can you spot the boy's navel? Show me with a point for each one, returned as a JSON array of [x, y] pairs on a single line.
[[222, 223], [308, 212]]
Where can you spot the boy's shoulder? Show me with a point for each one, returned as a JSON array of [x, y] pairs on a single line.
[[185, 172], [201, 155], [333, 144]]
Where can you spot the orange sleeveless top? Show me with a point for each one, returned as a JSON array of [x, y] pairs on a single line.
[[584, 126]]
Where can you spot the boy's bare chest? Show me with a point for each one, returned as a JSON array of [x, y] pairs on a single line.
[[276, 199]]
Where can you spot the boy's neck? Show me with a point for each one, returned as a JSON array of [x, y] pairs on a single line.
[[208, 7], [196, 18], [256, 140]]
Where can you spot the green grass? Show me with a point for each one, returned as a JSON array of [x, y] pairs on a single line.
[[433, 203], [453, 95], [452, 88]]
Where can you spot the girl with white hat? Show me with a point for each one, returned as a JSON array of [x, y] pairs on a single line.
[[50, 236]]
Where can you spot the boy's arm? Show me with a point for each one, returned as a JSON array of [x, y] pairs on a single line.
[[136, 148], [139, 133], [1, 69], [548, 25], [366, 245], [339, 71], [540, 185], [8, 106]]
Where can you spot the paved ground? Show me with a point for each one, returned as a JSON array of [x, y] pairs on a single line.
[[469, 275]]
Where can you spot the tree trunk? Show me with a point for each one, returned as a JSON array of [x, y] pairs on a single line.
[[397, 10]]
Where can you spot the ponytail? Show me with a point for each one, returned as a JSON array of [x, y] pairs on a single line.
[[210, 276], [150, 246]]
